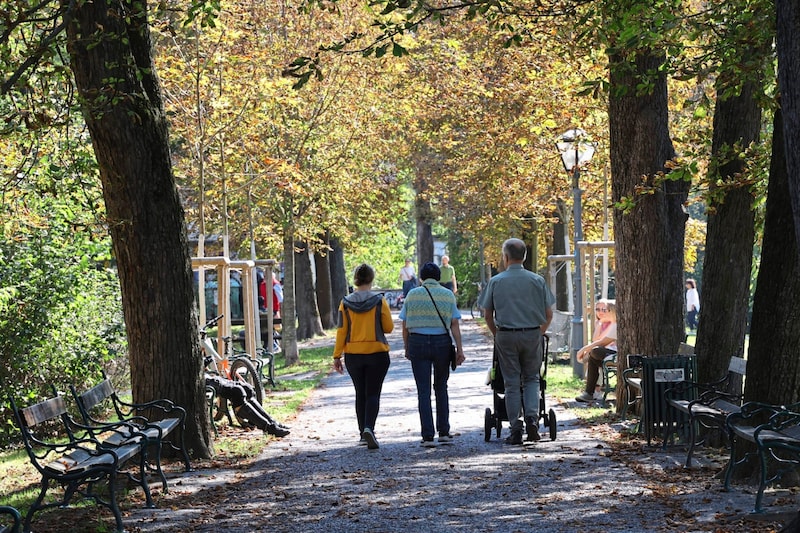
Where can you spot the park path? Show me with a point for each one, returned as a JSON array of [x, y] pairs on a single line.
[[319, 479]]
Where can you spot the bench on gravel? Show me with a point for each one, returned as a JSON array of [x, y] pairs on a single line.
[[80, 462], [710, 407], [775, 431], [96, 403]]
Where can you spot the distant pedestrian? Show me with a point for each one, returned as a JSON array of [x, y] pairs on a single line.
[[448, 280], [692, 304], [408, 277], [517, 306], [364, 321], [430, 316]]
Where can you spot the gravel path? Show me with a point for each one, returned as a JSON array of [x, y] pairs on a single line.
[[319, 479]]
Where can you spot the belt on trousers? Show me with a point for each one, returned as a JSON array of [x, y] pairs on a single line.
[[517, 329]]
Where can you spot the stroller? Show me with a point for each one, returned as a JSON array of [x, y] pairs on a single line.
[[495, 421]]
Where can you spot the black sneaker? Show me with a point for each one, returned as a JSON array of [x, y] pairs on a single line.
[[446, 439], [369, 436], [532, 430], [515, 438], [427, 442]]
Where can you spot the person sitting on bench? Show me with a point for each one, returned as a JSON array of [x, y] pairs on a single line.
[[603, 345], [243, 399]]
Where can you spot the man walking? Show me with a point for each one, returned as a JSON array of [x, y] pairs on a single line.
[[517, 306]]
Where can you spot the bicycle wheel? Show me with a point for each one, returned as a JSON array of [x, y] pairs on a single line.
[[476, 310], [244, 370]]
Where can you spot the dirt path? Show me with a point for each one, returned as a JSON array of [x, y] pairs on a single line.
[[319, 479]]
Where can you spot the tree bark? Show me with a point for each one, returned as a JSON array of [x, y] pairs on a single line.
[[109, 45], [308, 321], [788, 51], [730, 236], [560, 248], [649, 238], [773, 369], [323, 289], [288, 309], [339, 285]]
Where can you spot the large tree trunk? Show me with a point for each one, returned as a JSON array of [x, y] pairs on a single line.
[[649, 238], [788, 51], [308, 322], [339, 284], [730, 235], [773, 368], [114, 74]]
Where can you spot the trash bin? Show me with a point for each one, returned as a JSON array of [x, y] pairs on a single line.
[[659, 373]]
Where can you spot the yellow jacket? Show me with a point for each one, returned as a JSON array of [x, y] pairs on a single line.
[[362, 328]]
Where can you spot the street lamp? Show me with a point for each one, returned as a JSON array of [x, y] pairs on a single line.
[[576, 150]]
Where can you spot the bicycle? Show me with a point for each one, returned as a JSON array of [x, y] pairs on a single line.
[[236, 367], [475, 309]]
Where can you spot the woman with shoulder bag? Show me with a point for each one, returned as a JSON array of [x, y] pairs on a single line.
[[429, 317]]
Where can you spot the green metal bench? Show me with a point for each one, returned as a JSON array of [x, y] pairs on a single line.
[[101, 399], [80, 463], [16, 519], [775, 430], [712, 404]]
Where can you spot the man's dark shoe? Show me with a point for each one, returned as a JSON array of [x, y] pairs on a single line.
[[276, 431], [532, 430], [515, 438]]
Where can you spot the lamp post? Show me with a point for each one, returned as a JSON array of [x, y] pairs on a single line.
[[576, 150]]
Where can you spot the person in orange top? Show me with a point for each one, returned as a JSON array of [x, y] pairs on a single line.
[[364, 320]]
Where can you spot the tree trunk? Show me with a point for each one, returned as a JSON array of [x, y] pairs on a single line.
[[649, 238], [322, 270], [560, 248], [114, 74], [308, 322], [729, 239], [338, 274], [788, 51], [288, 308], [773, 368]]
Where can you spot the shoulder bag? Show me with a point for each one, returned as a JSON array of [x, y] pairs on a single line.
[[453, 353]]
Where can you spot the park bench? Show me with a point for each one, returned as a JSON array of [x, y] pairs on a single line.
[[97, 403], [16, 520], [80, 462], [775, 431], [710, 407]]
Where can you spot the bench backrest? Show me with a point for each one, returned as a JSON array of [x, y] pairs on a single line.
[[95, 396], [42, 412], [738, 365]]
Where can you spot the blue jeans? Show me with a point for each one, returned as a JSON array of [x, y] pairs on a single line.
[[367, 372], [431, 353], [520, 356]]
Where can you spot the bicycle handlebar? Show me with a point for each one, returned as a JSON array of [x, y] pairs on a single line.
[[212, 322]]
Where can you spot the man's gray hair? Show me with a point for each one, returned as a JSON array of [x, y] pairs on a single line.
[[515, 249]]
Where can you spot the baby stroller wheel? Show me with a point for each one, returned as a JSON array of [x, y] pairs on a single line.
[[498, 426], [488, 424], [551, 423]]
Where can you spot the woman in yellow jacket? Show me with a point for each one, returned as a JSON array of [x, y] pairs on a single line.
[[364, 320]]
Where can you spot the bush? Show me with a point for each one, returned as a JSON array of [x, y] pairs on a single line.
[[60, 316]]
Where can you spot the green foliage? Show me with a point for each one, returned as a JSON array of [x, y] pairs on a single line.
[[61, 319]]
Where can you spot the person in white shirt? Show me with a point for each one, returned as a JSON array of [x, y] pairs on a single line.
[[692, 304]]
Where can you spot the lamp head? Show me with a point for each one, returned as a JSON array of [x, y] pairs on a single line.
[[575, 149]]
